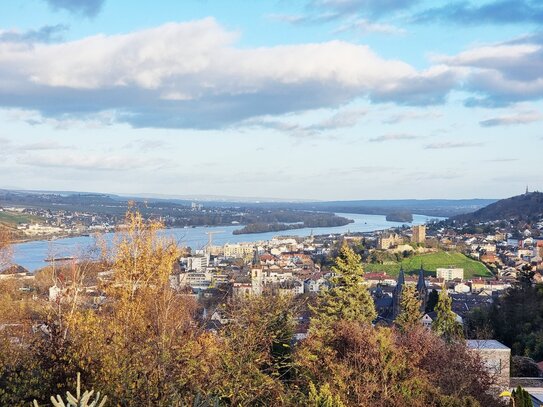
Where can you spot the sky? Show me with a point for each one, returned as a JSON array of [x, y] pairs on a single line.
[[290, 99]]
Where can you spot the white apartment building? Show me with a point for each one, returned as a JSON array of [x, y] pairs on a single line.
[[450, 273]]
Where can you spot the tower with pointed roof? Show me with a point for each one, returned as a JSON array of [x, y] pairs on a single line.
[[256, 257], [397, 294], [257, 273], [422, 289], [422, 292]]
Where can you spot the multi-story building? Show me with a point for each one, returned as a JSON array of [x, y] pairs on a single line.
[[495, 357], [195, 280], [239, 251], [450, 273], [197, 263]]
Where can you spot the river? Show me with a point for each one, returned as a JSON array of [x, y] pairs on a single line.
[[32, 255]]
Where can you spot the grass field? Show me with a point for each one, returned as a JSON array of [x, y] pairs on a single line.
[[431, 262]]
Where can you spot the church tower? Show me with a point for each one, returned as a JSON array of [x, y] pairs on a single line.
[[397, 294], [422, 290], [256, 257], [257, 273]]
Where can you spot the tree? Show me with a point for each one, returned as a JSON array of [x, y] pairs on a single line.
[[432, 301], [410, 314], [379, 366], [256, 357], [445, 324], [522, 366], [348, 299], [140, 345], [79, 400], [323, 397], [521, 398], [515, 318], [5, 247]]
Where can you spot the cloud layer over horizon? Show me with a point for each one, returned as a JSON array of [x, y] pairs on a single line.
[[193, 75], [309, 99]]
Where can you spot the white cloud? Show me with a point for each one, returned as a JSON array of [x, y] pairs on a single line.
[[345, 118], [451, 144], [288, 18], [363, 26], [373, 7], [512, 119], [501, 73], [490, 55], [394, 137], [193, 75], [411, 115]]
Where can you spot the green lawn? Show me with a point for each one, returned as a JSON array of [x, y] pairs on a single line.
[[431, 262]]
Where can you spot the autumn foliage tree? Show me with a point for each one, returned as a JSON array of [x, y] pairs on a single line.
[[139, 341], [5, 247]]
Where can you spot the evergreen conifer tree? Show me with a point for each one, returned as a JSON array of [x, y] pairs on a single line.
[[521, 398], [433, 297], [348, 298], [445, 323], [410, 314]]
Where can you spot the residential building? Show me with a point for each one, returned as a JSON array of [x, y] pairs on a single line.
[[197, 263], [239, 251], [450, 273], [496, 358]]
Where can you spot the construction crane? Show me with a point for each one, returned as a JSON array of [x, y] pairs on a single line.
[[210, 238]]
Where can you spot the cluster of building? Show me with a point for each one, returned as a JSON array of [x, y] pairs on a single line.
[[46, 222], [398, 240], [284, 265], [507, 252]]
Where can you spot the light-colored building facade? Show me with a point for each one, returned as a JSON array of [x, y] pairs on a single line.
[[450, 273], [197, 280], [496, 358], [197, 263], [239, 251]]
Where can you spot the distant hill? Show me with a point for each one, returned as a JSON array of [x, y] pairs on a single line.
[[112, 203], [522, 207], [429, 207]]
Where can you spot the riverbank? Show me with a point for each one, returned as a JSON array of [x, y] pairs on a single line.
[[31, 254]]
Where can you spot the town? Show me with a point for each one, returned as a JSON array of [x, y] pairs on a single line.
[[322, 203], [474, 268]]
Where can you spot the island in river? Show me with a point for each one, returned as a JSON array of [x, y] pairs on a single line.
[[404, 217], [315, 220]]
